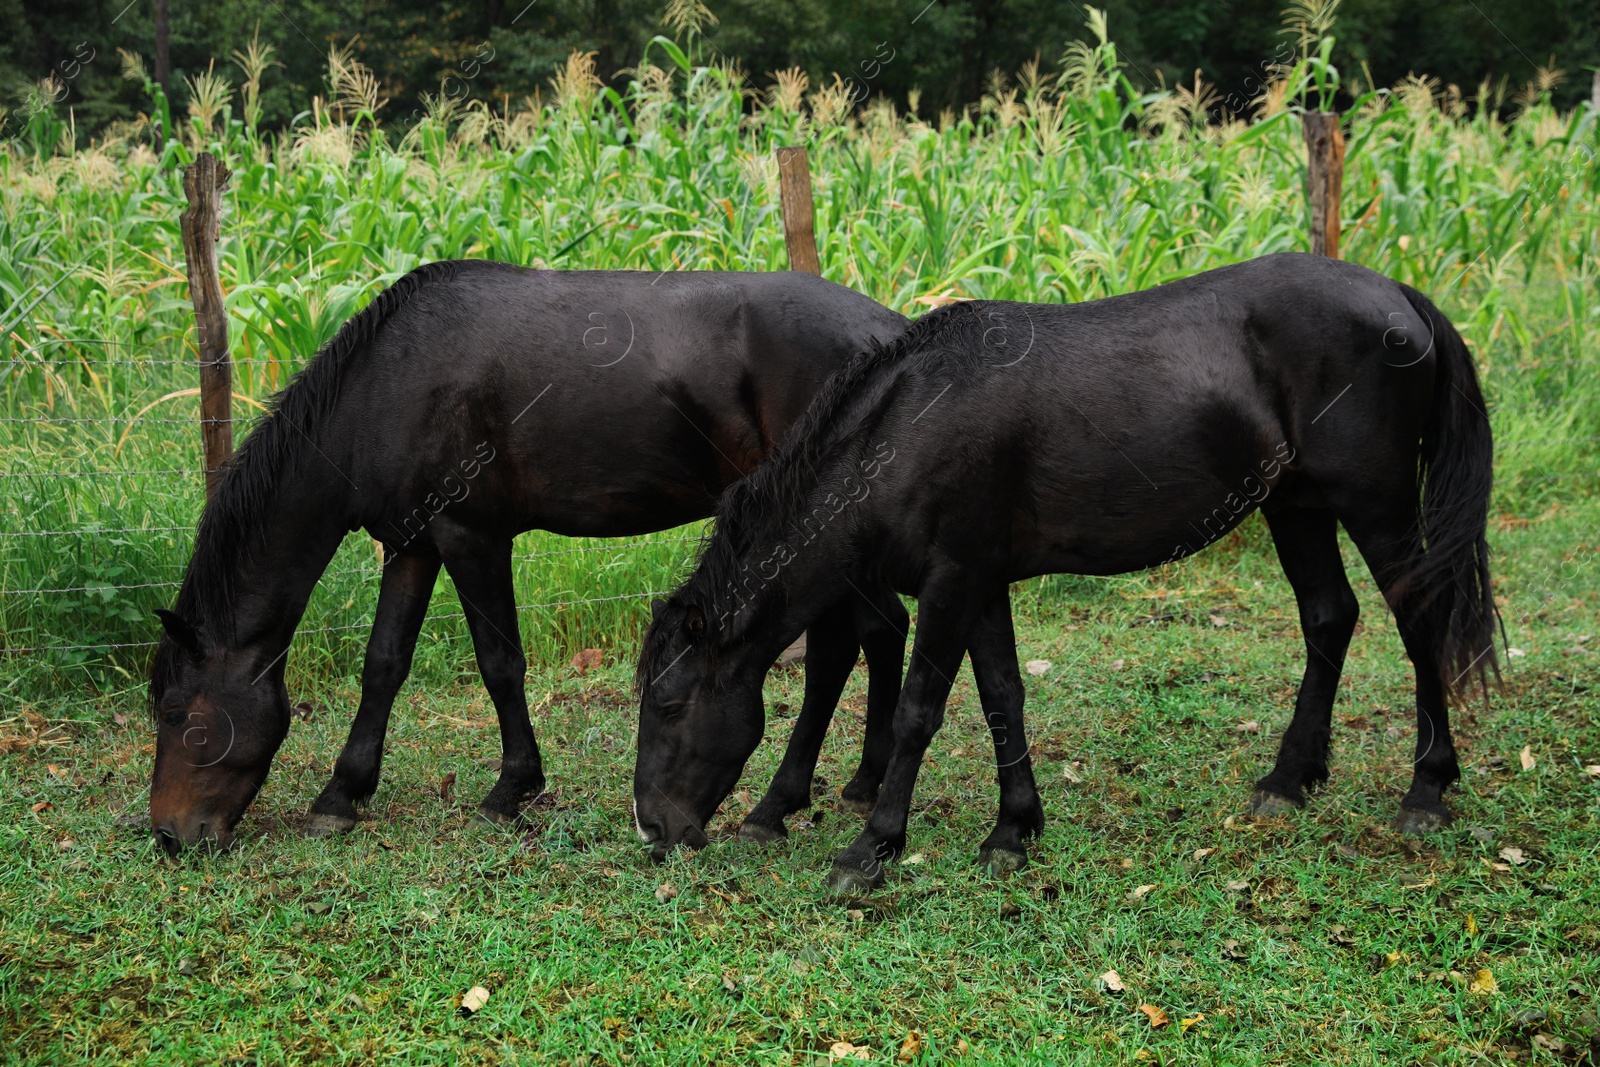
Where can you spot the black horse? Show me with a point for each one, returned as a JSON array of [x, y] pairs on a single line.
[[996, 441], [472, 401]]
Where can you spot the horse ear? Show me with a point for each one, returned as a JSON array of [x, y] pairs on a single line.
[[655, 607], [183, 635], [694, 623]]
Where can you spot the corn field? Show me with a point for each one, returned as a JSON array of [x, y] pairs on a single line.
[[1062, 186]]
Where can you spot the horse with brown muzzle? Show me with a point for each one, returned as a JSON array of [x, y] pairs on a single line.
[[469, 402]]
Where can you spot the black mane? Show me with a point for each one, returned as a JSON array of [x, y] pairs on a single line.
[[233, 520], [760, 509]]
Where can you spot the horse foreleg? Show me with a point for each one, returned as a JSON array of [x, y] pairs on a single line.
[[481, 569], [993, 648], [947, 609], [830, 654], [402, 603]]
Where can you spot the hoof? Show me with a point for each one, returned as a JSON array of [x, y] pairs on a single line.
[[756, 834], [862, 808], [1002, 861], [1270, 805], [1415, 822], [319, 824], [848, 882], [499, 819]]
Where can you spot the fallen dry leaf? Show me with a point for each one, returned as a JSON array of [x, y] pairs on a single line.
[[1202, 853], [913, 859], [119, 718], [1219, 620], [1185, 1024], [446, 785], [1238, 887], [1528, 762], [1249, 727], [1038, 666], [1070, 771], [1232, 950], [1483, 982], [961, 1042], [1592, 770], [1552, 1044], [1515, 653], [1118, 664], [1112, 982], [666, 891], [1512, 855], [1339, 935], [844, 1050], [473, 1000], [910, 1047], [1471, 924], [855, 915], [43, 805], [1139, 892], [1158, 1018], [587, 660]]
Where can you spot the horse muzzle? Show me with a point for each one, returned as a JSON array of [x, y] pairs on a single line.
[[174, 835], [665, 831]]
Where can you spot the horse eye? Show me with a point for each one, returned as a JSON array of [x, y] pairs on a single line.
[[673, 710], [173, 716]]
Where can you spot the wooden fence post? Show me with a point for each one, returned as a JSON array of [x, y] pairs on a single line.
[[1324, 179], [203, 183], [800, 238], [799, 220]]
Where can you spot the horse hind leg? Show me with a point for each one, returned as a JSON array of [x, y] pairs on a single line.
[[1389, 546], [882, 624], [1308, 550], [481, 569], [402, 603], [831, 649]]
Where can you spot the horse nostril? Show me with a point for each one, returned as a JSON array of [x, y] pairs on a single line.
[[169, 841]]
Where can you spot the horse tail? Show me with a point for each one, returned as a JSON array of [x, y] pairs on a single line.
[[1455, 472]]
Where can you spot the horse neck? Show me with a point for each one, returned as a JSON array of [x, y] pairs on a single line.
[[269, 581], [792, 573]]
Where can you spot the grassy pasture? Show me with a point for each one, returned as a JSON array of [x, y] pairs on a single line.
[[1345, 944]]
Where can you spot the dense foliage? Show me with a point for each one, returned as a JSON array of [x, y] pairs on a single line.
[[944, 50], [1054, 191]]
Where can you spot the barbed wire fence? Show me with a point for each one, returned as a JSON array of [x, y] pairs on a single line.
[[20, 606]]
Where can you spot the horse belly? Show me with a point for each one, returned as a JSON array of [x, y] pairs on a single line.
[[1137, 527]]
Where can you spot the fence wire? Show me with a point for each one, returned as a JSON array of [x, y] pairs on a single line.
[[140, 363]]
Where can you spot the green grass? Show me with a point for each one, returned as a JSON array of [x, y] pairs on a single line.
[[1349, 944]]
